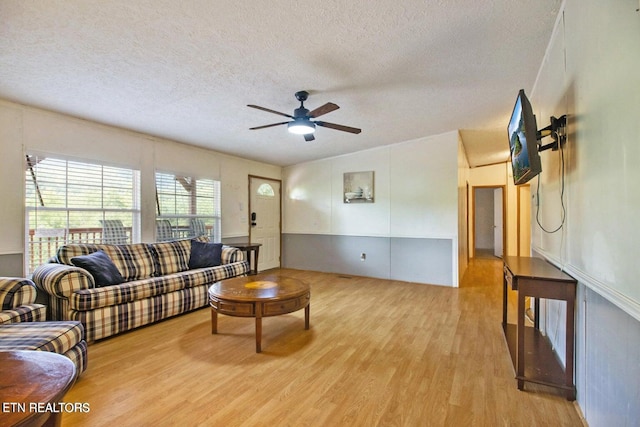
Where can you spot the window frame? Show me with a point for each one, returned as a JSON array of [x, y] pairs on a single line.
[[41, 242], [181, 221]]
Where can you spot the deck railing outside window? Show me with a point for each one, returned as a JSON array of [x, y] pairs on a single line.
[[43, 244]]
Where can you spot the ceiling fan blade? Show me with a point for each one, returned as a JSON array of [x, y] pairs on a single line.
[[338, 127], [323, 109], [270, 111], [268, 126], [309, 137]]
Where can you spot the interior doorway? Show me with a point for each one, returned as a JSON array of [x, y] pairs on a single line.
[[265, 220], [488, 221]]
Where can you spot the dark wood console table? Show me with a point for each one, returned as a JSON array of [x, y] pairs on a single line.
[[252, 250], [531, 353]]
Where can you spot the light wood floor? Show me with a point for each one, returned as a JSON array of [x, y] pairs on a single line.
[[378, 353]]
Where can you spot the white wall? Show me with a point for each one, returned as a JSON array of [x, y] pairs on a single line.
[[592, 73], [29, 129], [424, 183], [416, 194]]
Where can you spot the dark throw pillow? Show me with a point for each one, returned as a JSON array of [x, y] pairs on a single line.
[[205, 254], [100, 266]]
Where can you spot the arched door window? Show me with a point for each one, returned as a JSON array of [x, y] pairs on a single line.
[[266, 190]]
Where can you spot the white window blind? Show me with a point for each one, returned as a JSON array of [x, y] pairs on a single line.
[[76, 201], [187, 207]]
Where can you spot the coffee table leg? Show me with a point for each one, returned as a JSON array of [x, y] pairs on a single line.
[[258, 334], [307, 310], [214, 321], [258, 328]]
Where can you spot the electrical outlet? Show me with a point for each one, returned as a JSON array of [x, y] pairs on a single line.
[[363, 256]]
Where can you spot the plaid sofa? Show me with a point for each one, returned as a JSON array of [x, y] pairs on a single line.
[[23, 326], [158, 284]]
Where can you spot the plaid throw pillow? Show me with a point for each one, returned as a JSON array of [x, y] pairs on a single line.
[[134, 261], [171, 257]]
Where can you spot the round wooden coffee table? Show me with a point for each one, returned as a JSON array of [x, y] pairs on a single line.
[[264, 295], [33, 383]]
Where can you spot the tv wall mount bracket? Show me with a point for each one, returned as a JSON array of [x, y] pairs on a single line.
[[556, 130]]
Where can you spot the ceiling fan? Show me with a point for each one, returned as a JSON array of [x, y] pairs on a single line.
[[302, 123]]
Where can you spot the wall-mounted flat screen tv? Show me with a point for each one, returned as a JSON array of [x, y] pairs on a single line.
[[523, 141]]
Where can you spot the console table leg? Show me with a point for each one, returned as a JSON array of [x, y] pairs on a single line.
[[520, 341], [255, 260], [570, 347]]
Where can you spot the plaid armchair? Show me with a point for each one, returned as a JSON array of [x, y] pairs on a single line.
[[17, 297], [23, 325]]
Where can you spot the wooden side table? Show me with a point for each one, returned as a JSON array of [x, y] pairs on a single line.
[[252, 250], [33, 381], [531, 353]]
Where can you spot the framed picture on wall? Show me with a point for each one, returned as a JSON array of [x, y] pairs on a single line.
[[358, 187]]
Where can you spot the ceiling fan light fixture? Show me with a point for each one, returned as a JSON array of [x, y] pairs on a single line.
[[301, 127], [302, 123]]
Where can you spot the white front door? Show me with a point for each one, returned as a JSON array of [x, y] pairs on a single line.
[[264, 220]]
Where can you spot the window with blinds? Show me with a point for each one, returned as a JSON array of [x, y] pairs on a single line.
[[187, 207], [75, 201]]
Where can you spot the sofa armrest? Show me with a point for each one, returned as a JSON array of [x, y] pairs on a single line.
[[15, 292], [231, 254], [61, 280], [24, 313]]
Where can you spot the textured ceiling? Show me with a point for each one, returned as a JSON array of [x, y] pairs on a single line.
[[186, 70]]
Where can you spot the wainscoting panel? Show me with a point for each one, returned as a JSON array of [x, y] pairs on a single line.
[[422, 260], [610, 393], [607, 350], [411, 260], [307, 252], [11, 265], [347, 252]]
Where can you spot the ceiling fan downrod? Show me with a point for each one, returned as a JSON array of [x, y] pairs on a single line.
[[302, 111]]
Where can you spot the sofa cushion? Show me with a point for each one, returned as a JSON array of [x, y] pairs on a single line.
[[100, 266], [205, 255], [139, 290], [171, 257]]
